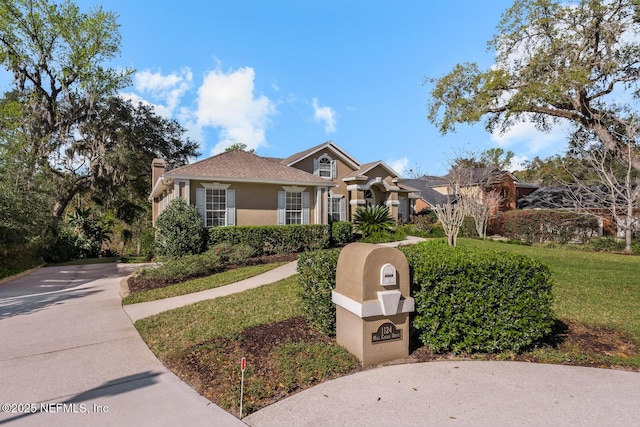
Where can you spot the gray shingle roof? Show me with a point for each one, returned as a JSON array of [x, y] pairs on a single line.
[[240, 165], [428, 194]]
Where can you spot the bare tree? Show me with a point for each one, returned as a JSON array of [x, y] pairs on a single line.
[[481, 209], [451, 215], [613, 188]]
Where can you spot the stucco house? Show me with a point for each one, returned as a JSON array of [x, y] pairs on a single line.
[[473, 182], [315, 186]]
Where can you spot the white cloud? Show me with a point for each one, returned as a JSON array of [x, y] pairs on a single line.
[[165, 91], [136, 99], [326, 115], [517, 163], [399, 165], [524, 137], [227, 101]]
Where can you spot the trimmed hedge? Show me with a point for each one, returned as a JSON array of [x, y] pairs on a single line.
[[468, 300], [341, 232], [273, 239], [538, 226], [317, 278]]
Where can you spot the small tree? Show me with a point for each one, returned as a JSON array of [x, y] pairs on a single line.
[[451, 215], [481, 210], [179, 230]]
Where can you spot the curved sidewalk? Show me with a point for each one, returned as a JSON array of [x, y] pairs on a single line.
[[146, 309]]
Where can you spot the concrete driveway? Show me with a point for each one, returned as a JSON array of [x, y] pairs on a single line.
[[69, 356]]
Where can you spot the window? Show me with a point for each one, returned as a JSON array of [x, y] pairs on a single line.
[[293, 206], [336, 209], [324, 167], [215, 208], [216, 205]]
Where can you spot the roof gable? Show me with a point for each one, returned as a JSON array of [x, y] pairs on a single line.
[[368, 167], [331, 146]]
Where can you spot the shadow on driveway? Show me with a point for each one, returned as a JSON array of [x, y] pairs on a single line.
[[26, 304], [110, 388]]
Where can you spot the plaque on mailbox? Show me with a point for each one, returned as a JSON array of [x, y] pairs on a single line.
[[388, 275]]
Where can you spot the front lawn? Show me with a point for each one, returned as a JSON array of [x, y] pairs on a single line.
[[204, 342], [597, 301]]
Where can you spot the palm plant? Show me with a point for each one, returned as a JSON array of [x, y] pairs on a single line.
[[373, 219]]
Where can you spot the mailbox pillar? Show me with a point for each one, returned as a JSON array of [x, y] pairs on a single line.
[[373, 303]]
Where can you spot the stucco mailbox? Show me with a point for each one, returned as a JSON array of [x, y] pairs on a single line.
[[373, 302]]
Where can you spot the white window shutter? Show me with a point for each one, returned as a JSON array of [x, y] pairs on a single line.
[[200, 202], [334, 169], [281, 207], [316, 167], [231, 207], [343, 209], [305, 207]]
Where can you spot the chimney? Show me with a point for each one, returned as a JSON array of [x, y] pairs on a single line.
[[157, 170]]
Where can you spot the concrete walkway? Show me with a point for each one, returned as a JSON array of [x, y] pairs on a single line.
[[146, 309], [69, 352], [477, 393]]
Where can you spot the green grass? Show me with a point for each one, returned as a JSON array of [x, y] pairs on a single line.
[[200, 284], [172, 331], [203, 344], [596, 289]]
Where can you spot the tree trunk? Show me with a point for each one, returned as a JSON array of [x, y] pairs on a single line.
[[64, 197]]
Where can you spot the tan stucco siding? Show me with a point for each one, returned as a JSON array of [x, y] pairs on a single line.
[[342, 170], [256, 203]]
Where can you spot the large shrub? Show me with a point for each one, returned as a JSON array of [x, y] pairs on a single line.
[[179, 230], [317, 278], [469, 300]]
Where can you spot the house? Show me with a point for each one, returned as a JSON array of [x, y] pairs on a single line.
[[315, 186], [596, 200], [472, 182]]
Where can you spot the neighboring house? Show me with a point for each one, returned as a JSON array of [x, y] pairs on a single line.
[[473, 182], [428, 196], [315, 186], [595, 200]]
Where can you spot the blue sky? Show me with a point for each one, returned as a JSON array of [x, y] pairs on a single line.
[[282, 76]]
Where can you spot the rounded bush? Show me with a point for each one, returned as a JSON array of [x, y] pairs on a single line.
[[469, 300], [179, 230]]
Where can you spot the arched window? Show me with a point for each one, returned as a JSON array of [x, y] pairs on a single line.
[[325, 167]]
